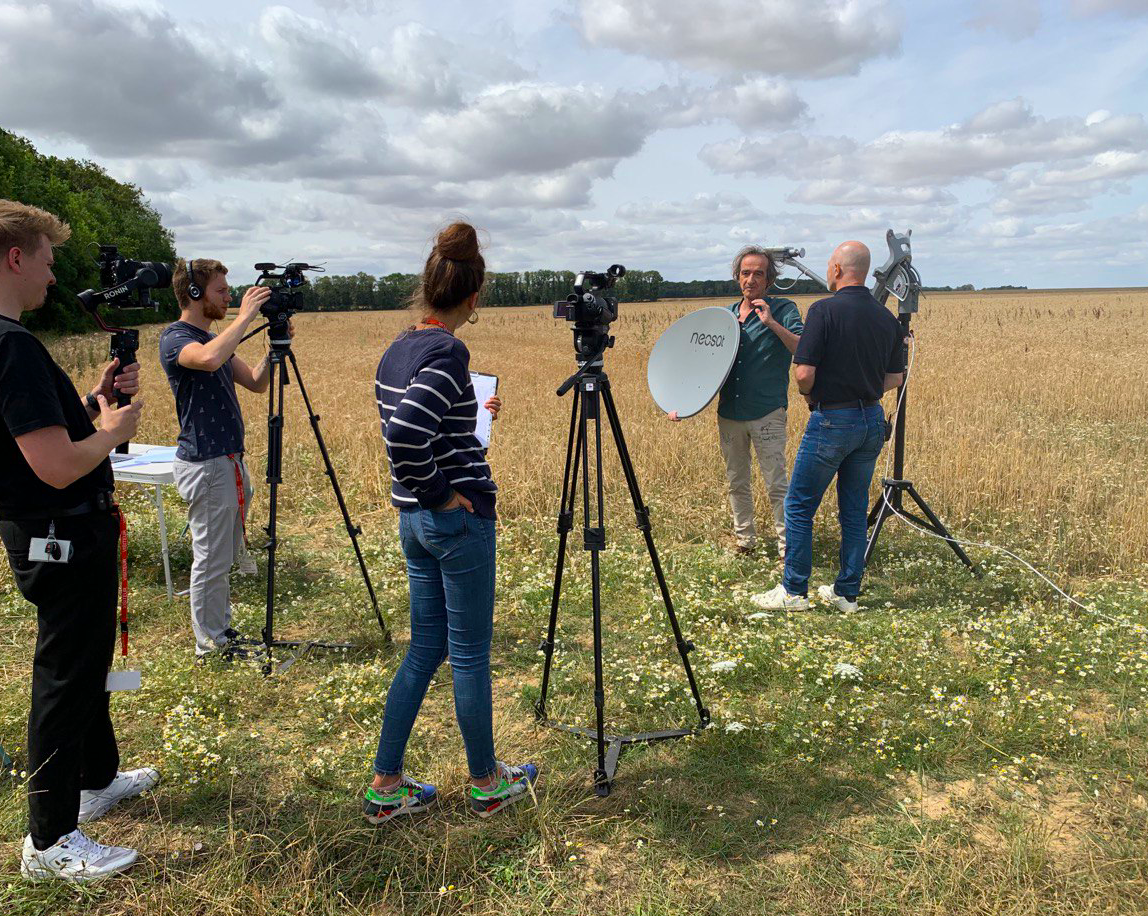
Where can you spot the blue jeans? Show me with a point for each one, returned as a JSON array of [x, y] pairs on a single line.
[[846, 443], [450, 568]]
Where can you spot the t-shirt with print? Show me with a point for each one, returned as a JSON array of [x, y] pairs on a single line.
[[35, 394], [210, 423]]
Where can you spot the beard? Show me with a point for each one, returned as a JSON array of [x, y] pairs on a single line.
[[214, 312]]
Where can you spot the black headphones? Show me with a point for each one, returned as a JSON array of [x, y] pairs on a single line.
[[194, 291]]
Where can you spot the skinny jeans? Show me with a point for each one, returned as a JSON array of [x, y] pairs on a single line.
[[450, 568]]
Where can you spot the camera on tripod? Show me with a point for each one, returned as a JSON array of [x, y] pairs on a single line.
[[589, 305], [286, 288]]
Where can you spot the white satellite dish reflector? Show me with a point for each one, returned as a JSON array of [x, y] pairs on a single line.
[[691, 360]]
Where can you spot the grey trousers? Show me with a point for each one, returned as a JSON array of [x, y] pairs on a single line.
[[209, 487], [766, 437]]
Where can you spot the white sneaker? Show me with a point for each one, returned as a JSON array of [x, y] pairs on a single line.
[[125, 785], [75, 857], [778, 599], [828, 594]]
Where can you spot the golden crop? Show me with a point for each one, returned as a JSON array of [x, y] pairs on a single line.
[[1028, 416]]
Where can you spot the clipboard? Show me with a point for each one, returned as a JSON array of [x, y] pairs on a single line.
[[485, 387]]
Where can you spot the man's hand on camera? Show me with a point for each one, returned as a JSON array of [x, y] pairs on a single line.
[[456, 500], [120, 422], [127, 383], [290, 328], [252, 299], [494, 405]]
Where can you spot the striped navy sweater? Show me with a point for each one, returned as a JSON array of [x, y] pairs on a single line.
[[427, 409]]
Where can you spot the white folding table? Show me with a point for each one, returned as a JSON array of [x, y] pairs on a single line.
[[156, 474]]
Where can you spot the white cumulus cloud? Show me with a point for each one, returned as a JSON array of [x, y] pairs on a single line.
[[809, 38]]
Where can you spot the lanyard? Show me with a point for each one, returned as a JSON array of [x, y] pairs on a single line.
[[123, 582], [242, 499], [436, 323]]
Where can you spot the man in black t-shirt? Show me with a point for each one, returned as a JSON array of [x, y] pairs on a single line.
[[60, 528], [850, 354], [203, 369]]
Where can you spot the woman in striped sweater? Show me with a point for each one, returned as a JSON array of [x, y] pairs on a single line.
[[442, 486]]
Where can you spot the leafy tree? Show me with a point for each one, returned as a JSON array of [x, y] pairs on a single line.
[[100, 210]]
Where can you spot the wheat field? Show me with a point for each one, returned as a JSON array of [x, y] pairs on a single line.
[[1028, 417], [963, 746]]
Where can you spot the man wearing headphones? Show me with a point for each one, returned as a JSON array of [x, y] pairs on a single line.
[[210, 474]]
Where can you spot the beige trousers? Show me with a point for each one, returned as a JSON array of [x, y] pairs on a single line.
[[216, 541], [766, 435]]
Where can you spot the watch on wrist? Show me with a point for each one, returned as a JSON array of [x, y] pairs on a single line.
[[93, 404]]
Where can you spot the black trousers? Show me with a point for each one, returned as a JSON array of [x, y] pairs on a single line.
[[71, 742]]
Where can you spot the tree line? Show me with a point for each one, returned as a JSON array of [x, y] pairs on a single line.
[[364, 292], [101, 211]]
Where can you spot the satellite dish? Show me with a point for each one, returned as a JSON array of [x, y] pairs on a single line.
[[691, 360]]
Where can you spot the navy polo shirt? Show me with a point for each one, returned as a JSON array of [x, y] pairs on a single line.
[[758, 383], [853, 341], [210, 423]]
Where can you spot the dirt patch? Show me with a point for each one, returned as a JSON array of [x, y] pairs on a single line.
[[789, 859], [1060, 817], [1063, 818], [1093, 712], [935, 800]]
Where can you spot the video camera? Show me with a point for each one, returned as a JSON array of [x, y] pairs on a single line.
[[122, 279], [127, 284], [589, 306], [591, 310], [286, 287]]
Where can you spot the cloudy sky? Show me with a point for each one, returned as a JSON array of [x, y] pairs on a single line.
[[1010, 135]]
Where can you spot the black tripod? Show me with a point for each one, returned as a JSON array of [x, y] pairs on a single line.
[[894, 489], [593, 394], [279, 357]]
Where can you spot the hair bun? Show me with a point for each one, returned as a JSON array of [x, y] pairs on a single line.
[[458, 242]]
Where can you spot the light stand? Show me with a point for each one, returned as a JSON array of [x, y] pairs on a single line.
[[592, 396]]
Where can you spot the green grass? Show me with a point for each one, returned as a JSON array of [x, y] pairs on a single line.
[[990, 757]]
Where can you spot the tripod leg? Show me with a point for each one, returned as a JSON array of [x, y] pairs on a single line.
[[877, 518], [874, 511], [943, 531], [642, 512], [565, 524], [353, 530], [595, 540], [274, 478]]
